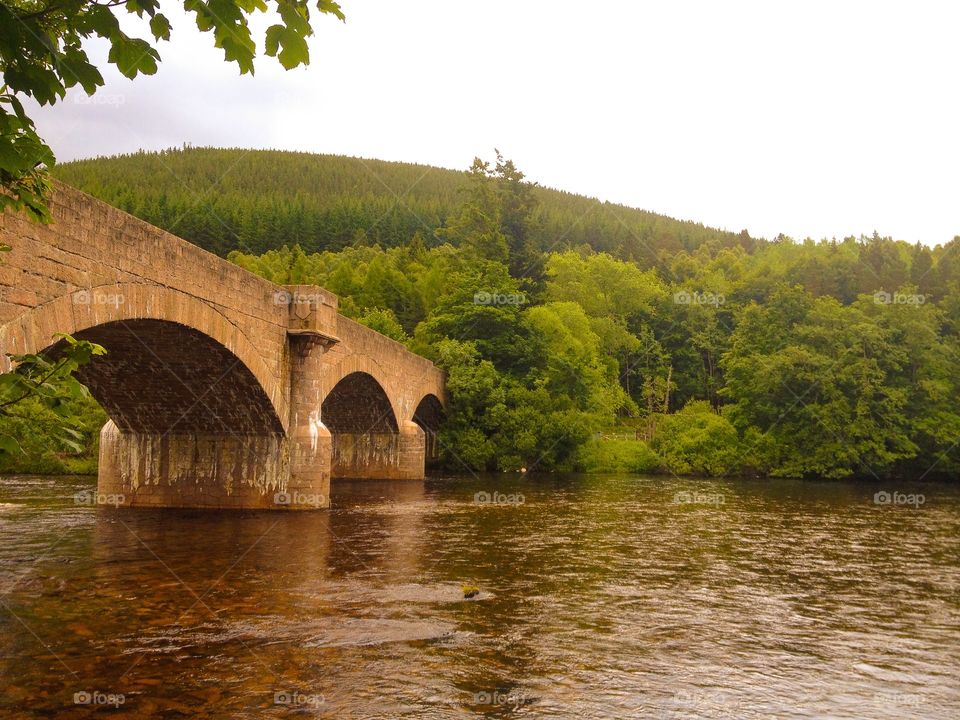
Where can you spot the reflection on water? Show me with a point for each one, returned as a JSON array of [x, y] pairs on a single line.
[[600, 597]]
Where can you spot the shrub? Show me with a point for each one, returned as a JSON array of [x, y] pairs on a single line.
[[698, 441], [616, 456]]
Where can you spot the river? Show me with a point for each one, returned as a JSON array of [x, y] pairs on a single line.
[[599, 597]]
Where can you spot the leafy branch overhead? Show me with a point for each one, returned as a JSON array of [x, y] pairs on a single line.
[[49, 381], [42, 55]]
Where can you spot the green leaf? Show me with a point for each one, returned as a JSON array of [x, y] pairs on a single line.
[[295, 51], [79, 70], [9, 445], [272, 44], [72, 444], [333, 8], [133, 56], [160, 27]]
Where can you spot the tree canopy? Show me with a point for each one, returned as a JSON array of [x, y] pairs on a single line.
[[822, 359]]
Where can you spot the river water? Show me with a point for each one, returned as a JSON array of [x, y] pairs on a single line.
[[599, 597]]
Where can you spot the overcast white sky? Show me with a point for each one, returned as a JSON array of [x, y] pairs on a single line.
[[819, 119]]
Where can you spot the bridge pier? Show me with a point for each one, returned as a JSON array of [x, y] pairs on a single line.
[[311, 443], [380, 455]]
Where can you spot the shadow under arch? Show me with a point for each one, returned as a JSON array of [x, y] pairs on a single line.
[[429, 415], [358, 404], [82, 312], [161, 377], [367, 441]]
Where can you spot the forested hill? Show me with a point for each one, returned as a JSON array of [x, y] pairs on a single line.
[[259, 200]]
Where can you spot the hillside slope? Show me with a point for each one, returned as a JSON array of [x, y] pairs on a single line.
[[258, 200]]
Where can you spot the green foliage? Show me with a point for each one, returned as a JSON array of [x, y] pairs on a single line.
[[773, 378], [326, 202], [614, 455], [497, 422], [42, 54], [45, 390], [571, 364], [21, 153], [619, 299], [842, 390], [53, 443], [500, 220], [697, 440], [385, 322], [478, 226]]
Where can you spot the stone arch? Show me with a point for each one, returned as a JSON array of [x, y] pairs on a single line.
[[357, 405], [107, 310], [432, 384], [429, 413], [429, 416], [363, 364]]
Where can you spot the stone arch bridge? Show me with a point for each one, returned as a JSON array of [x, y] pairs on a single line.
[[223, 389]]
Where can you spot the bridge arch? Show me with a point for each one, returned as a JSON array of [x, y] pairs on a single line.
[[431, 385], [429, 415], [355, 364], [358, 404], [170, 350]]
